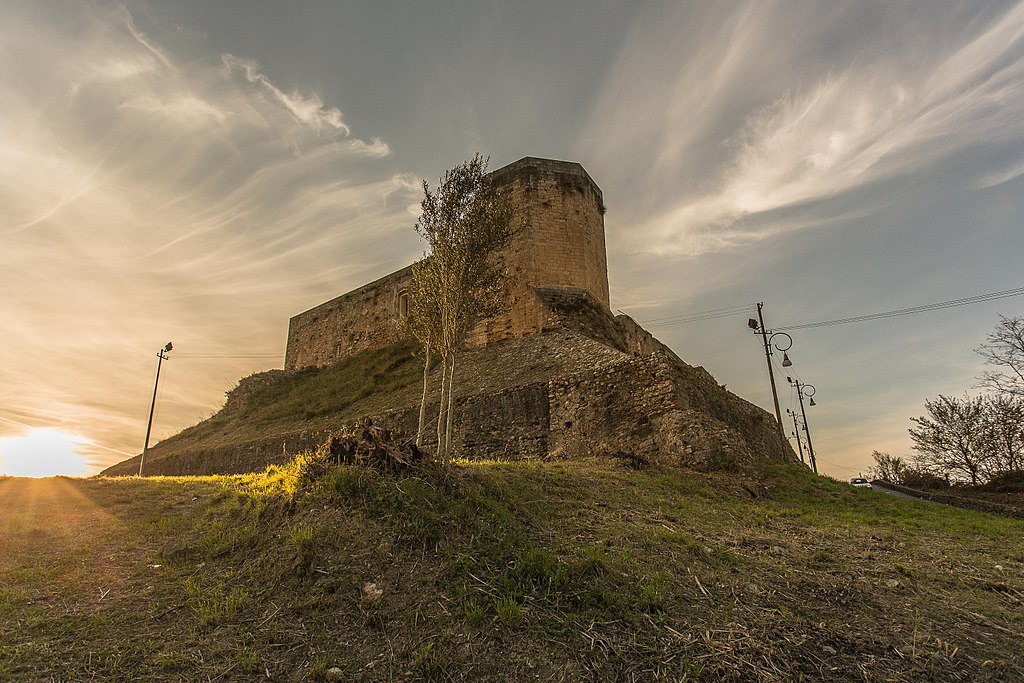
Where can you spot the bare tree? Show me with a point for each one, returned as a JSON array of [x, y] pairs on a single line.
[[466, 224], [1004, 433], [888, 467], [422, 323], [951, 438], [1004, 349]]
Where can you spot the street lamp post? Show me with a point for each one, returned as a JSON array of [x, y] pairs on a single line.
[[808, 391], [149, 426], [767, 336], [796, 433]]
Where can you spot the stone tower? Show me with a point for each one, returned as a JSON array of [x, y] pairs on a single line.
[[560, 246]]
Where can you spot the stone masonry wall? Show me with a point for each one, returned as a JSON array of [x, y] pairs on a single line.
[[509, 425], [640, 407], [564, 215], [365, 318]]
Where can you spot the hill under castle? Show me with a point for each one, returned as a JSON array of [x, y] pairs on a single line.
[[554, 374]]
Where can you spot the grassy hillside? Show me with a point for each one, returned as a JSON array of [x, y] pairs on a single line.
[[577, 570], [284, 404]]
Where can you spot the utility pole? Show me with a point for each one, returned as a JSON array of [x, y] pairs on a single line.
[[801, 391], [152, 406], [767, 336], [796, 433]]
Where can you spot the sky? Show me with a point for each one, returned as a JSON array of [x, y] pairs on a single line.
[[199, 172]]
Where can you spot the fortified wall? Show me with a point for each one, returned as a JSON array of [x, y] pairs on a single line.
[[560, 245]]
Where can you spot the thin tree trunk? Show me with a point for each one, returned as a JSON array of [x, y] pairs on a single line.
[[442, 413], [423, 401], [451, 412]]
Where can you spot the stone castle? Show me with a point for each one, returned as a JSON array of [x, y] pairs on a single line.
[[555, 374], [560, 249]]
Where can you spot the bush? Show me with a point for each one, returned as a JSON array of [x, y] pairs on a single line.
[[918, 479], [888, 467], [1006, 482]]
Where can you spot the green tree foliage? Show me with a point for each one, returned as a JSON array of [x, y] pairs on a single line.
[[466, 225]]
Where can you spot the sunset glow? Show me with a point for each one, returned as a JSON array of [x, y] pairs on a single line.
[[44, 453]]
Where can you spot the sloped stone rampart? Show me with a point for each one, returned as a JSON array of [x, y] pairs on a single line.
[[653, 406], [229, 458]]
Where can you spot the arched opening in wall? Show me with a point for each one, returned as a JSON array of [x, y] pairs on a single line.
[[403, 304]]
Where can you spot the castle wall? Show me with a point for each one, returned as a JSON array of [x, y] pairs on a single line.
[[365, 318]]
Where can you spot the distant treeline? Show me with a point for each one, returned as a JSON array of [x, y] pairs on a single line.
[[975, 439]]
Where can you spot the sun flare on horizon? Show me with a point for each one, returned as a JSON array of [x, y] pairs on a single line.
[[44, 452]]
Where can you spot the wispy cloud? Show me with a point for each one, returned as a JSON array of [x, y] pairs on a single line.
[[143, 198], [187, 110], [310, 109], [855, 124]]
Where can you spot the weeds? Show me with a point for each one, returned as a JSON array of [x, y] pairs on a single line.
[[211, 606], [301, 537], [509, 611], [652, 595], [348, 482], [474, 613], [429, 664]]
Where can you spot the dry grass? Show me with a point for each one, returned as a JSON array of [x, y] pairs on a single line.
[[579, 570]]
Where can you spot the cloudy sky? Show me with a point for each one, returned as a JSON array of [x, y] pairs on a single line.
[[199, 172]]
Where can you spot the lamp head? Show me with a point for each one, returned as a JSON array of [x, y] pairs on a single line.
[[168, 347], [751, 323], [786, 362]]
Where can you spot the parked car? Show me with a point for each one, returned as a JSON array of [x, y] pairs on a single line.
[[860, 482]]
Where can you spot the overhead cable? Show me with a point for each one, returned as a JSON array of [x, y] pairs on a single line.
[[952, 303], [697, 316]]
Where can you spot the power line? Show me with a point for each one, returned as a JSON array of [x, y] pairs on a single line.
[[842, 467], [698, 316], [952, 303], [741, 309], [697, 319], [686, 315], [228, 355]]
